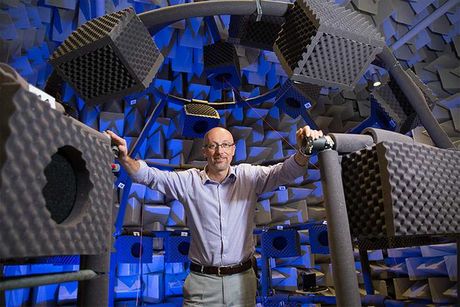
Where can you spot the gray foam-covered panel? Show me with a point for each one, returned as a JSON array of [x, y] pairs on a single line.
[[34, 133], [401, 241], [395, 103], [401, 189], [247, 31], [108, 57], [421, 188], [363, 194], [326, 44]]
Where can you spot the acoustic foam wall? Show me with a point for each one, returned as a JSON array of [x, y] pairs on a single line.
[[399, 189], [108, 57], [326, 44], [55, 182]]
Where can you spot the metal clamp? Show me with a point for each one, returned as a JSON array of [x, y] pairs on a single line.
[[259, 11], [310, 145]]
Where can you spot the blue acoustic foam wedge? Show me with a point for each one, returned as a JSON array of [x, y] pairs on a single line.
[[176, 248], [280, 243], [134, 249], [296, 98], [318, 239], [108, 57]]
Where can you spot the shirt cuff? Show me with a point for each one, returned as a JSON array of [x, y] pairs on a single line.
[[294, 163]]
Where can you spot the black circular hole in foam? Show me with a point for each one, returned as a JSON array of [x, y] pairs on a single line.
[[183, 248], [293, 103], [279, 243], [136, 250], [200, 126], [67, 184], [61, 188], [322, 238], [224, 77]]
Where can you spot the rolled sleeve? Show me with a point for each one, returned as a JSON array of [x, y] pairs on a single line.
[[142, 174], [270, 177], [294, 167]]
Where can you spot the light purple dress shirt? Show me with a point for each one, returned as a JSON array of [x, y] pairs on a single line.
[[220, 215]]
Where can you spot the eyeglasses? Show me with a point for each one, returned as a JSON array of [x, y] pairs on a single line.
[[214, 146]]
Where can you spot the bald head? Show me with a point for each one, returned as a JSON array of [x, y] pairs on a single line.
[[219, 134]]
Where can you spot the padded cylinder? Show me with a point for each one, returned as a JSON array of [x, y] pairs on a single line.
[[326, 44], [402, 189], [176, 249], [108, 57], [55, 182], [280, 243]]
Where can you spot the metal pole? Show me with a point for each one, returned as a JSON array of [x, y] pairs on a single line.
[[343, 264], [2, 292], [365, 268], [266, 278], [458, 270], [424, 23], [33, 281]]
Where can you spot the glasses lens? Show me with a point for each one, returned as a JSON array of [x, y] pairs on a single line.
[[215, 146]]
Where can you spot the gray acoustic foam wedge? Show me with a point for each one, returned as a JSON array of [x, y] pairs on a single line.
[[325, 44], [56, 184], [108, 57], [400, 189]]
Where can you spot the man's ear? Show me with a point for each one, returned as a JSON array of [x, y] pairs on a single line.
[[203, 151]]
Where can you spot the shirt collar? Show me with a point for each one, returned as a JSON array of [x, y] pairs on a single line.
[[205, 178]]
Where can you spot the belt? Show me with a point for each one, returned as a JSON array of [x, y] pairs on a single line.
[[222, 270]]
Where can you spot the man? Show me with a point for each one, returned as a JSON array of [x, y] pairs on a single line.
[[220, 206]]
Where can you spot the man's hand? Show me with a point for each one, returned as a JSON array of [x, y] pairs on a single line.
[[301, 134], [305, 132], [120, 143], [130, 165]]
